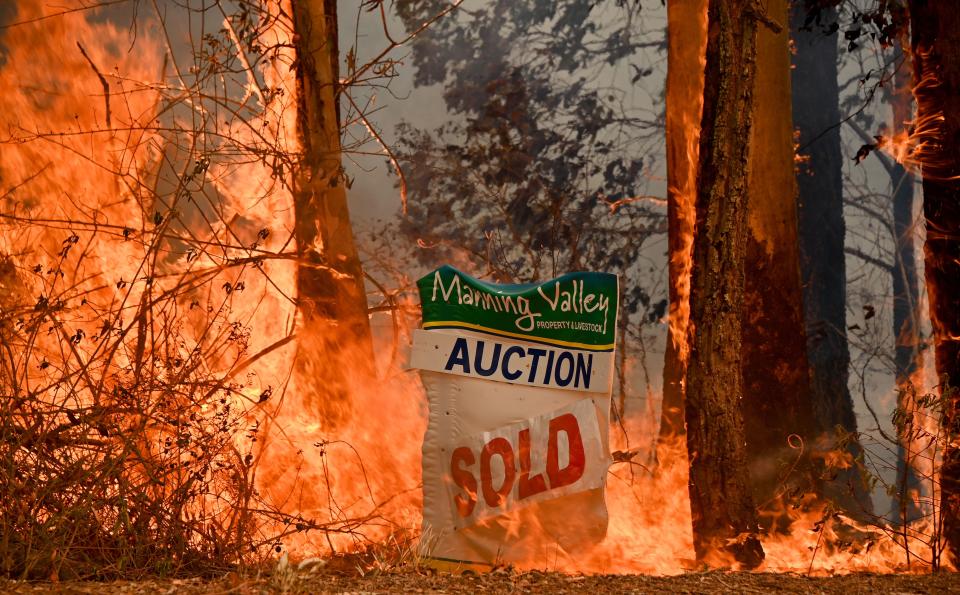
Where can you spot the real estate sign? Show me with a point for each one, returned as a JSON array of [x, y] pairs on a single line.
[[516, 450]]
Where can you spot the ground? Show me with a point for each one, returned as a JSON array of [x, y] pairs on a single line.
[[421, 581]]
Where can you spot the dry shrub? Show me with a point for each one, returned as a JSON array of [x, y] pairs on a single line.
[[145, 267], [135, 458]]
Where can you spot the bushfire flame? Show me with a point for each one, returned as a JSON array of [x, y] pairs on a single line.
[[687, 22], [145, 187]]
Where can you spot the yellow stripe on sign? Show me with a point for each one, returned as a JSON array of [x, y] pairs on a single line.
[[477, 327]]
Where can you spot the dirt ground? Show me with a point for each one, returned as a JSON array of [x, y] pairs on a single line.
[[422, 581]]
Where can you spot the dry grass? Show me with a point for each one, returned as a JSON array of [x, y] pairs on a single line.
[[411, 580]]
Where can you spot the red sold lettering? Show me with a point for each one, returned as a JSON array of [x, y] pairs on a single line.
[[461, 457], [566, 423], [529, 486], [497, 446]]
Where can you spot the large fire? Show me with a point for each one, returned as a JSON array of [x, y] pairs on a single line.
[[146, 223]]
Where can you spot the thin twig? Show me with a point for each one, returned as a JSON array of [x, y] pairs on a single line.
[[386, 151], [103, 81]]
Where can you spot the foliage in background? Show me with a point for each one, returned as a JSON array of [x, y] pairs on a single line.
[[545, 164]]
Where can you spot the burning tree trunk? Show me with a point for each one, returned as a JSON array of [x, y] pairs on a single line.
[[816, 110], [935, 28], [724, 517], [776, 399], [330, 290], [686, 40]]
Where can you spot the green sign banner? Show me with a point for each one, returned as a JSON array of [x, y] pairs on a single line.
[[577, 310]]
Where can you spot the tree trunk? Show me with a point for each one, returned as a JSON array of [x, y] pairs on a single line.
[[906, 299], [776, 398], [816, 111], [724, 517], [935, 28], [330, 289], [686, 44]]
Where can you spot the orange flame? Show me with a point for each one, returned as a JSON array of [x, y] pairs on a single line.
[[67, 174], [918, 143], [688, 21]]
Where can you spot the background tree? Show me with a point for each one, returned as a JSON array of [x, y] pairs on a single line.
[[776, 399], [330, 285], [907, 317], [816, 111]]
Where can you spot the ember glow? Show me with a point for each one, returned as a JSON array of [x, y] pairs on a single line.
[[146, 227]]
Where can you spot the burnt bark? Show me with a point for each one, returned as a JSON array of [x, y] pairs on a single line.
[[723, 512], [816, 112], [330, 290], [776, 400], [686, 41], [935, 27]]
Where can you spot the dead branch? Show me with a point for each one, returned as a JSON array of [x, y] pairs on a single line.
[[103, 81]]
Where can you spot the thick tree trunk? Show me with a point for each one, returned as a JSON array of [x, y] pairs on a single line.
[[776, 397], [330, 289], [686, 44], [906, 299], [936, 57], [816, 111], [724, 516]]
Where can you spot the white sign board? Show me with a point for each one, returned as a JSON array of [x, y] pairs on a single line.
[[516, 450]]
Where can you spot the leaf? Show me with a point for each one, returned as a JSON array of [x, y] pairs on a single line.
[[265, 395], [863, 152]]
